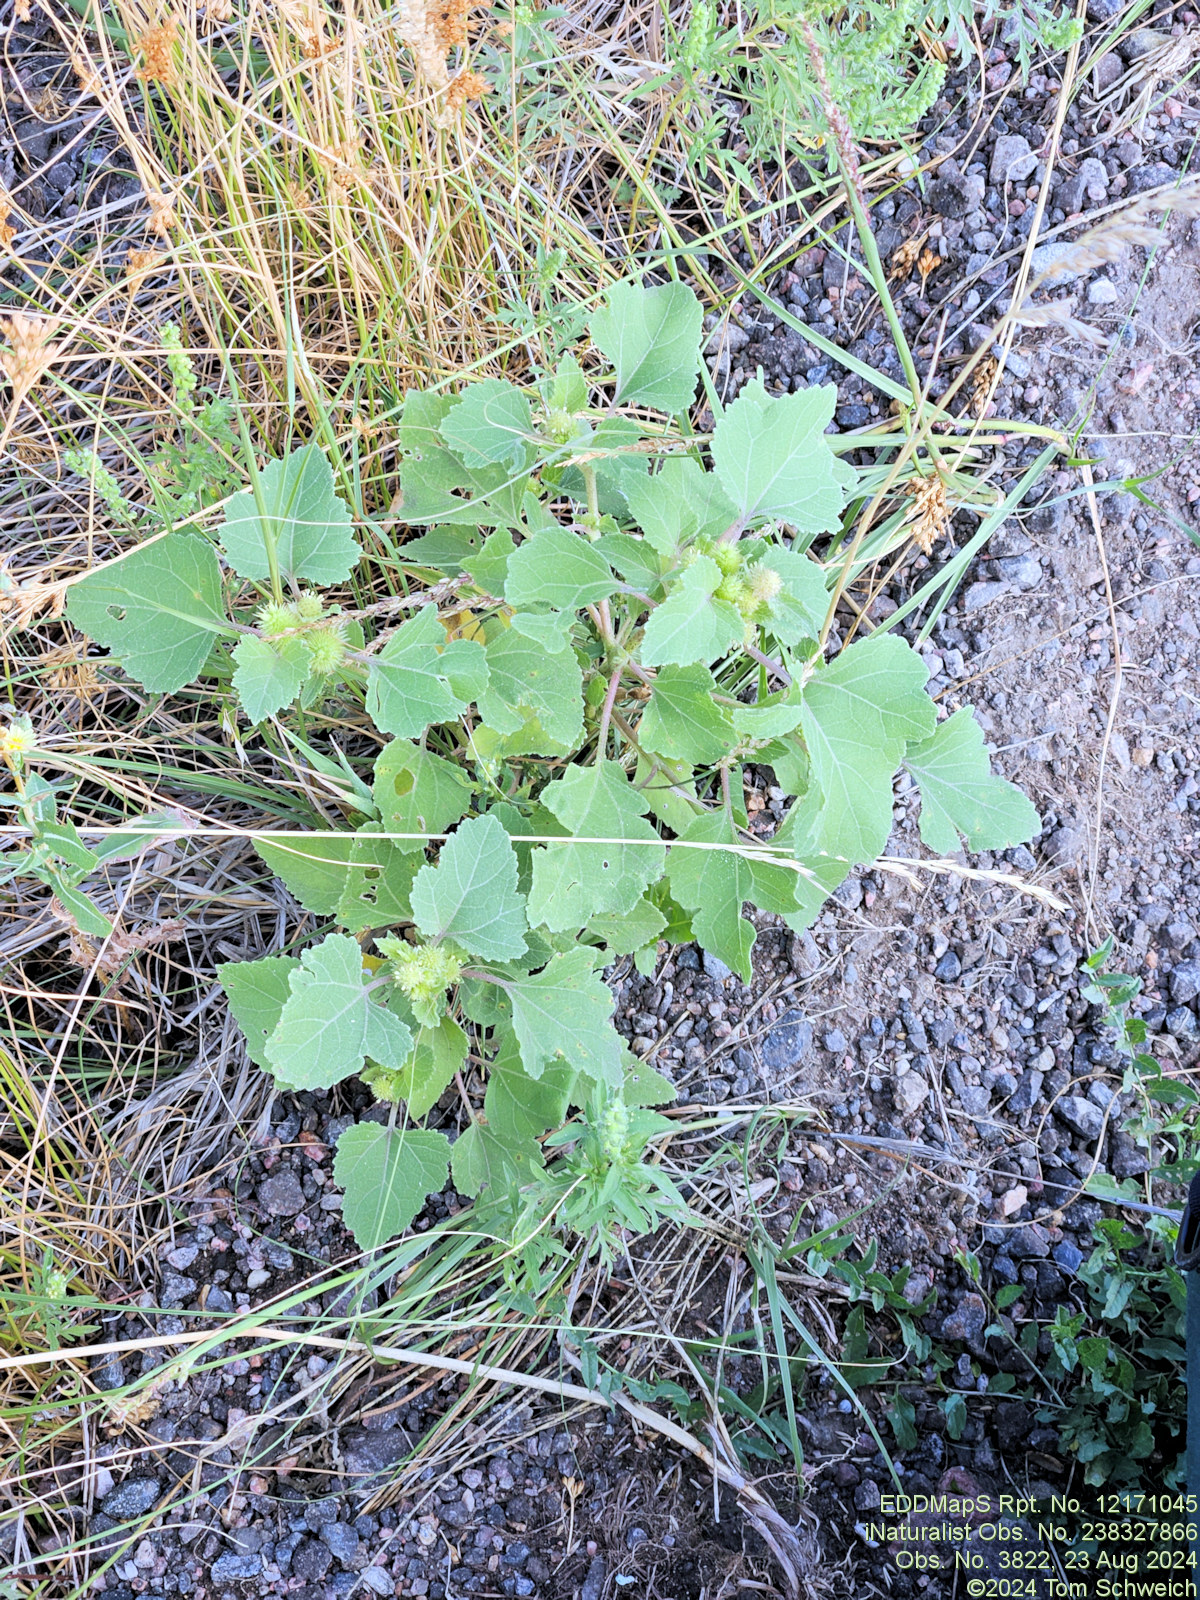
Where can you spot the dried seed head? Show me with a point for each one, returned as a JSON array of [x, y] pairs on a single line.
[[306, 20], [904, 259], [31, 349], [929, 512], [981, 384], [70, 670], [447, 21], [342, 163], [139, 264], [926, 263], [162, 214], [8, 230], [85, 73], [218, 11], [157, 49], [465, 86]]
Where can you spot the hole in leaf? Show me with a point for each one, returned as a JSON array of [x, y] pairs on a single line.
[[604, 864], [117, 613], [404, 783]]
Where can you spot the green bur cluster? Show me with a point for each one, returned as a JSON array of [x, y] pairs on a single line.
[[561, 777]]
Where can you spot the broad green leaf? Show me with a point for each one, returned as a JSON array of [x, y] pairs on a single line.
[[520, 1108], [636, 561], [627, 931], [961, 795], [387, 1174], [418, 678], [567, 390], [558, 568], [449, 550], [63, 838], [690, 625], [437, 1054], [257, 992], [768, 719], [714, 884], [489, 569], [859, 713], [564, 1013], [490, 426], [645, 1087], [525, 682], [549, 630], [773, 460], [471, 897], [315, 870], [652, 338], [329, 1025], [669, 790], [421, 417], [418, 792], [87, 916], [679, 504], [480, 1158], [683, 720], [159, 610], [377, 890], [268, 677], [798, 610], [571, 882], [314, 537]]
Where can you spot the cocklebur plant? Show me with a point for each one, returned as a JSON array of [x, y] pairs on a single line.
[[607, 620]]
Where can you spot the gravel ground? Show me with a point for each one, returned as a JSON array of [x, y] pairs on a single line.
[[927, 1009]]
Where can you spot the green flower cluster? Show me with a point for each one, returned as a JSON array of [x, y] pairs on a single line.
[[325, 646]]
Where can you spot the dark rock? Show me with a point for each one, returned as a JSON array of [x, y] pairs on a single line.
[[1068, 1256], [234, 1567], [175, 1290], [1151, 177], [130, 1499], [1004, 1270], [593, 1584], [866, 1496], [311, 1560], [788, 1042], [341, 1541], [1028, 1243], [1185, 982], [853, 416], [949, 968], [1013, 1422], [1086, 1119], [281, 1194], [366, 1452], [1029, 1087], [950, 196], [1104, 10], [108, 1372], [967, 1321], [1125, 1159]]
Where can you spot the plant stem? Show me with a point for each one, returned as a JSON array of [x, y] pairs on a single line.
[[614, 683], [843, 139]]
